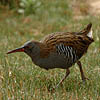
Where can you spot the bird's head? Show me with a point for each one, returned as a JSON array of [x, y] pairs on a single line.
[[31, 48]]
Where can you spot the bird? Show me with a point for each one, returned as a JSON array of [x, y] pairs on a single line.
[[59, 50]]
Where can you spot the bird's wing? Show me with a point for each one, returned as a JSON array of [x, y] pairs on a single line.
[[87, 31], [78, 42]]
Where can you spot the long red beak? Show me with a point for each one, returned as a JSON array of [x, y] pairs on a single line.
[[21, 49]]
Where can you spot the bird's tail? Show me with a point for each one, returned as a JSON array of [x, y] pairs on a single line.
[[87, 31]]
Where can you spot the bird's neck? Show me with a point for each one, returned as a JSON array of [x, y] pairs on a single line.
[[40, 51]]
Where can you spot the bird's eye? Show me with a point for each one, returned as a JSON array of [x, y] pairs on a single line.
[[26, 47]]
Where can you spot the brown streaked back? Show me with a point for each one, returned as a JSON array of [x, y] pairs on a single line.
[[78, 40]]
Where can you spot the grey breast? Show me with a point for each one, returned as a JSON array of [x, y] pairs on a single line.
[[64, 57]]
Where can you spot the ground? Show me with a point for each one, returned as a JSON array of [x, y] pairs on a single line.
[[20, 79]]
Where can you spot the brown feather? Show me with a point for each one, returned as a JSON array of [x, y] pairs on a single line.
[[80, 42]]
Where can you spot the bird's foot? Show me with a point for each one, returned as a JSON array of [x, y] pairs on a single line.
[[84, 80], [53, 89]]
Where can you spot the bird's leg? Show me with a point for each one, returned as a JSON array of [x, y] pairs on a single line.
[[81, 70], [67, 73]]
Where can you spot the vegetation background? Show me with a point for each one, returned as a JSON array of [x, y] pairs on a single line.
[[23, 20]]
